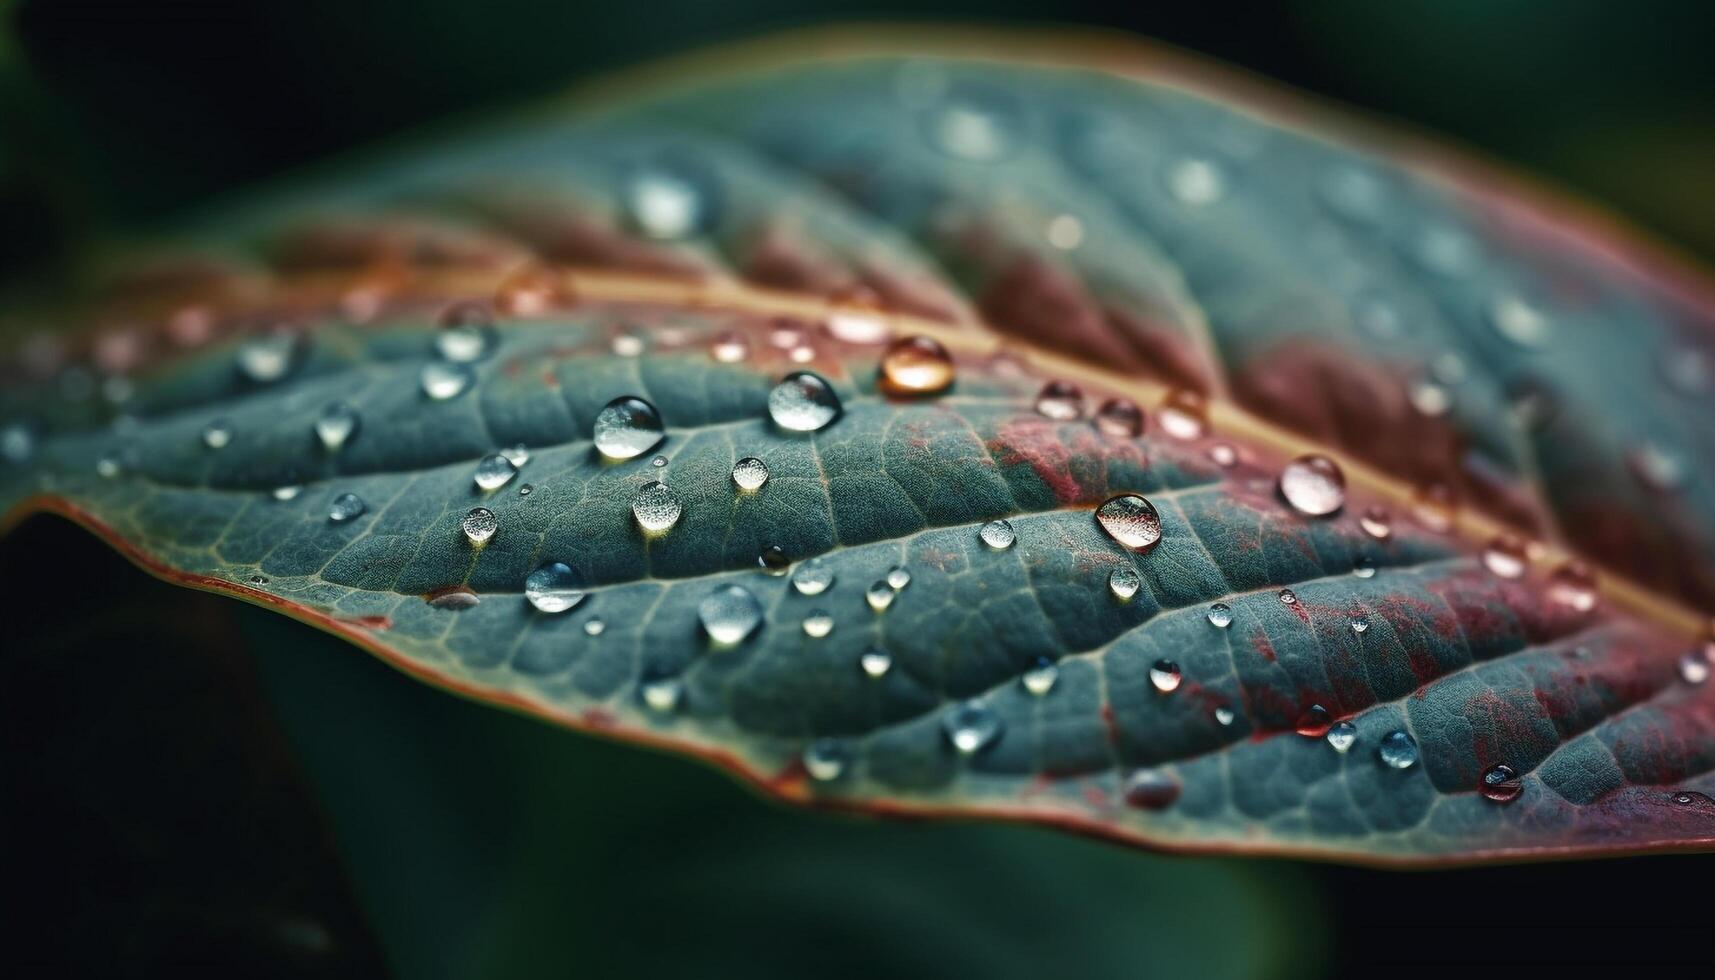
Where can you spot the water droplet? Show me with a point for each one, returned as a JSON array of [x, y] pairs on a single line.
[[818, 624], [658, 462], [1505, 556], [1124, 583], [1573, 585], [1693, 668], [1360, 626], [1429, 399], [667, 202], [802, 355], [345, 507], [898, 577], [1364, 567], [729, 347], [629, 343], [1223, 455], [998, 535], [519, 455], [1120, 417], [1224, 716], [1519, 322], [1314, 722], [258, 580], [1288, 597], [1039, 679], [655, 506], [553, 588], [594, 626], [526, 490], [1342, 736], [825, 759], [1061, 401], [443, 380], [661, 693], [1656, 468], [772, 559], [1689, 798], [217, 434], [1065, 232], [803, 402], [1197, 183], [494, 471], [288, 492], [1313, 485], [813, 577], [875, 662], [1150, 789], [972, 726], [879, 595], [108, 467], [729, 614], [980, 127], [1220, 615], [453, 597], [267, 358], [467, 333], [1398, 750], [627, 427], [1434, 507], [1448, 368], [336, 425], [479, 525], [750, 473], [916, 366], [1377, 523], [1131, 520], [1501, 783], [1165, 675], [1184, 415]]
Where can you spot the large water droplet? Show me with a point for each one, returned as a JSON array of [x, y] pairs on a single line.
[[1314, 722], [818, 624], [1313, 485], [997, 535], [443, 380], [825, 759], [1505, 556], [656, 507], [109, 467], [494, 471], [803, 402], [345, 507], [553, 588], [916, 366], [1061, 401], [1150, 789], [898, 577], [729, 614], [875, 662], [750, 473], [1196, 182], [813, 577], [1184, 415], [1573, 585], [1364, 567], [267, 358], [1398, 750], [336, 425], [1124, 583], [217, 434], [467, 333], [1131, 520], [879, 595], [1501, 783], [1342, 736], [1377, 523], [1165, 675], [1288, 597], [1039, 679], [972, 726], [1120, 417], [627, 427], [1220, 615], [479, 525]]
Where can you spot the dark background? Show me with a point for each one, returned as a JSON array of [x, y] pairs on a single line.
[[206, 799]]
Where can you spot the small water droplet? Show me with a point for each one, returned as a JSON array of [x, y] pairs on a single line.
[[526, 490], [1505, 556], [1694, 668], [1039, 679], [1288, 597], [1197, 183], [803, 402], [825, 759], [1184, 415], [1377, 523], [1124, 583], [258, 580], [553, 588], [217, 434], [997, 535], [1313, 485], [1520, 322], [467, 332], [656, 507], [661, 693], [772, 560], [1398, 750], [336, 425], [1061, 401], [658, 462], [453, 597], [627, 427], [972, 726], [898, 577], [1220, 615], [1165, 675], [729, 614], [1501, 783], [1224, 716], [629, 343], [980, 127], [479, 525], [289, 491], [813, 577], [1314, 722], [879, 595], [267, 358], [1130, 520], [729, 347], [916, 366], [1573, 585], [665, 201], [519, 455], [750, 474], [818, 623], [443, 380], [345, 507], [1223, 455], [1065, 232], [1342, 736], [1434, 507], [1120, 417], [875, 662], [1429, 399], [1150, 789], [1690, 798], [494, 471], [1364, 567]]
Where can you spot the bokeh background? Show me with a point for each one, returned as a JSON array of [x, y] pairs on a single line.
[[190, 786]]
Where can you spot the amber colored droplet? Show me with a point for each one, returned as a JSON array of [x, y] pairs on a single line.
[[1120, 417], [1501, 784], [1573, 585], [1434, 507], [916, 366], [1184, 415], [1505, 556], [529, 292]]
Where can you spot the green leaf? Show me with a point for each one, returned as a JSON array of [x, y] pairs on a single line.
[[1116, 227]]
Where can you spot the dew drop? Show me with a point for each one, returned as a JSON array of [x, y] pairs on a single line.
[[217, 434], [494, 471], [1505, 556], [553, 588], [857, 318], [879, 595], [1150, 789], [594, 626], [289, 491], [786, 334], [1130, 520], [825, 759], [656, 507], [1124, 583], [916, 366], [1220, 615], [1223, 455], [1430, 400], [658, 462], [1342, 736], [1061, 401], [1313, 485], [453, 597], [18, 442], [1120, 417], [467, 333], [772, 559], [729, 347], [1520, 322], [1398, 750], [526, 490], [1693, 668], [443, 380], [1690, 798], [1434, 507], [1314, 722], [998, 535], [1184, 415], [803, 402], [1196, 183], [972, 726], [1224, 716], [266, 359], [1288, 597], [1501, 783], [729, 614], [108, 467], [666, 202], [898, 577], [1364, 567], [750, 474], [1041, 676], [1165, 675], [479, 525], [813, 577], [336, 425], [875, 662], [661, 693], [519, 455], [1377, 523], [629, 343], [979, 128], [1360, 626], [818, 624], [627, 427], [345, 507], [1573, 585]]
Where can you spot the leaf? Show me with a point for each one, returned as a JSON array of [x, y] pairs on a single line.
[[1480, 367]]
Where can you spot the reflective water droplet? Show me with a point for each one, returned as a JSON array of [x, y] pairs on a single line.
[[655, 506], [1500, 783], [1398, 750], [258, 580], [813, 577], [288, 492], [108, 467], [729, 347], [667, 202], [898, 577], [1124, 583], [825, 759], [453, 597], [1150, 789], [802, 355], [875, 662], [1197, 183], [1130, 520], [594, 626], [443, 380], [1313, 485], [1039, 679], [1573, 585], [466, 334], [1224, 716], [1693, 668], [879, 595], [661, 693], [772, 559], [658, 462], [1342, 736], [1429, 399], [1519, 322], [217, 434], [818, 624], [494, 471], [1360, 626], [1656, 468], [980, 127], [519, 455], [803, 402], [629, 343], [627, 427], [1288, 597], [1434, 507], [786, 333], [1689, 798], [1223, 455], [336, 425], [1377, 523], [479, 525], [18, 442], [526, 490], [916, 366], [553, 588], [1505, 556], [345, 507], [1120, 417], [1065, 232], [997, 535], [1364, 567], [1062, 401], [856, 317], [1314, 722], [1220, 615], [267, 358], [972, 726], [1165, 675], [750, 473], [729, 614], [1184, 415]]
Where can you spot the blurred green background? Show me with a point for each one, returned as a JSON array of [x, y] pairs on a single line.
[[193, 786]]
